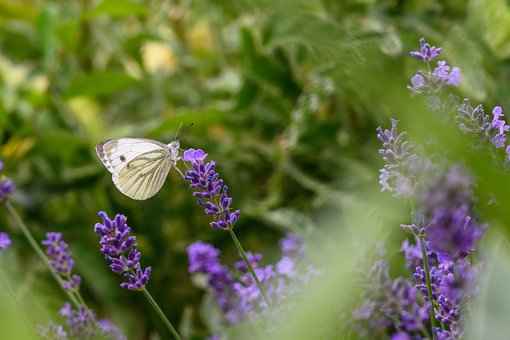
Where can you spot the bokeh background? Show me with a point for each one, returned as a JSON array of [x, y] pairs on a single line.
[[284, 95]]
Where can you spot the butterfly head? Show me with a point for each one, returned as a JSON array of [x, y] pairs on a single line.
[[174, 148]]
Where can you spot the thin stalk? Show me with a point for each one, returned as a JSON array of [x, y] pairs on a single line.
[[81, 300], [426, 268], [160, 313], [243, 255], [38, 250]]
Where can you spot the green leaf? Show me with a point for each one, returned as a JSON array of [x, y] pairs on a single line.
[[99, 83], [47, 34], [488, 315], [492, 19], [462, 51], [264, 69], [117, 9]]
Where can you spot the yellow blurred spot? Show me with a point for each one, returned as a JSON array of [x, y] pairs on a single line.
[[13, 74], [17, 147], [39, 83], [158, 57], [86, 111], [200, 37]]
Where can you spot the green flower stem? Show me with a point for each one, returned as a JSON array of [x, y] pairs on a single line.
[[21, 225], [426, 268], [243, 255], [160, 313]]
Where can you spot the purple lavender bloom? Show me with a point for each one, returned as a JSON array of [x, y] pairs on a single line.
[[451, 228], [286, 267], [292, 245], [235, 291], [403, 168], [61, 259], [412, 253], [210, 190], [110, 330], [455, 77], [204, 258], [119, 248], [73, 283], [58, 252], [453, 231], [430, 82], [442, 334], [500, 126], [418, 83], [400, 336], [443, 73], [201, 257], [5, 241], [253, 259], [390, 304], [81, 322], [7, 186], [426, 52], [412, 315]]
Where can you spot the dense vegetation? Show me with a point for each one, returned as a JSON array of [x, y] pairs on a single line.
[[285, 96]]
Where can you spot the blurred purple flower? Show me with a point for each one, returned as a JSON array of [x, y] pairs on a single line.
[[5, 241], [81, 322], [253, 259], [61, 259], [445, 74], [286, 267], [401, 336], [201, 257], [109, 330], [418, 82], [412, 253], [450, 226], [426, 52], [210, 190], [442, 334], [431, 81], [500, 127], [390, 304], [7, 186], [119, 248], [235, 291], [292, 245]]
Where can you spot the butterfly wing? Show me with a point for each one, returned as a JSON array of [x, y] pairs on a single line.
[[139, 166]]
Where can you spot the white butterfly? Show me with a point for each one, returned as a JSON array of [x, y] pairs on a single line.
[[139, 166]]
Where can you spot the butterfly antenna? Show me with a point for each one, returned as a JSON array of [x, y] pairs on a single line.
[[178, 131]]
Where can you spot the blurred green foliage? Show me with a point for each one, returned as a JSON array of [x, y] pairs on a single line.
[[284, 95]]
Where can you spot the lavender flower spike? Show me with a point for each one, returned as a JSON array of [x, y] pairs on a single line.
[[426, 52], [119, 249], [5, 241], [403, 168], [210, 190], [61, 260], [499, 126]]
